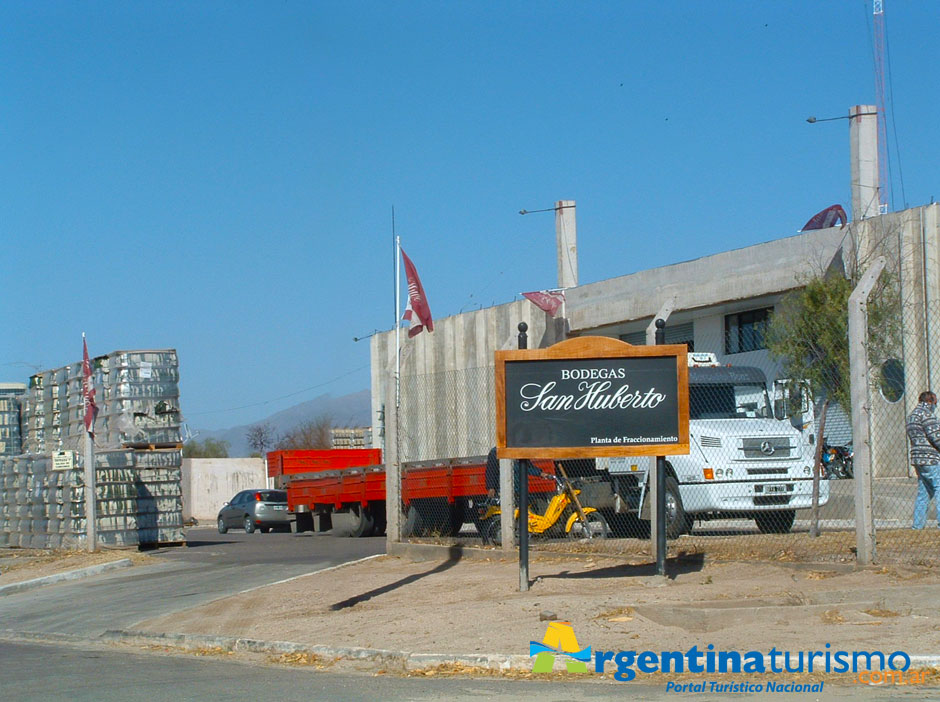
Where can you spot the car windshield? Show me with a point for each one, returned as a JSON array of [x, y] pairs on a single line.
[[272, 495], [739, 401]]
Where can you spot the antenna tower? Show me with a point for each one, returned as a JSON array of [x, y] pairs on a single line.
[[884, 170]]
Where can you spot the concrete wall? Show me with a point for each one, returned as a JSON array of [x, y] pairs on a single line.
[[209, 482], [448, 407]]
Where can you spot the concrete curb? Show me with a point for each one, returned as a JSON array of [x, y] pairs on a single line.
[[405, 659], [67, 575]]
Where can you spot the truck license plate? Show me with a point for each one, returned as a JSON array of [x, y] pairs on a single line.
[[775, 488]]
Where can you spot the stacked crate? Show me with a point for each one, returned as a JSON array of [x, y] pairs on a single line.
[[138, 455], [139, 500], [137, 393], [10, 394]]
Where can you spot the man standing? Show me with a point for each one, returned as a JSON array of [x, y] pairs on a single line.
[[923, 430]]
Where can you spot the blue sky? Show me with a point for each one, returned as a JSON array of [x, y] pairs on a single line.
[[219, 177]]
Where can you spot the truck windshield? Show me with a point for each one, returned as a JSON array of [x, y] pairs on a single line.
[[728, 401]]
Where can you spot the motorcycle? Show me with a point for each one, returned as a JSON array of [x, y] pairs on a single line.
[[837, 462], [563, 513]]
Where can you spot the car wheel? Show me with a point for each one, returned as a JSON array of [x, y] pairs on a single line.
[[249, 526], [222, 528]]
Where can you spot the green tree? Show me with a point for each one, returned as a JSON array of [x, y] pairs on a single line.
[[210, 448], [809, 331]]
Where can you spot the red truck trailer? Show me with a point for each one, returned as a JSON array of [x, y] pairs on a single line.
[[435, 493]]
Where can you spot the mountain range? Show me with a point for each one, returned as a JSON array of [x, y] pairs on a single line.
[[353, 410]]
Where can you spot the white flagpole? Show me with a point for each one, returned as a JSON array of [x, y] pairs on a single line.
[[91, 517], [397, 322]]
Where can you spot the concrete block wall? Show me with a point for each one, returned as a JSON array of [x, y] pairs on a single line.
[[209, 482]]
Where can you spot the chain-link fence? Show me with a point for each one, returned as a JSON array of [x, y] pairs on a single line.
[[771, 472]]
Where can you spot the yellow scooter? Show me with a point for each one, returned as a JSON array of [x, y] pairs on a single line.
[[564, 508]]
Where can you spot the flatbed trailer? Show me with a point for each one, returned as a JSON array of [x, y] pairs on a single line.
[[435, 494]]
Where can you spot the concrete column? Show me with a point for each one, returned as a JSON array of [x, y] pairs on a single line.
[[859, 378], [566, 237], [863, 140], [507, 500]]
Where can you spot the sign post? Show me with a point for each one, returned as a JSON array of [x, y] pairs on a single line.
[[590, 397]]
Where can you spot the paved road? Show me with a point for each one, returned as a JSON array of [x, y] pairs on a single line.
[[39, 672], [213, 566]]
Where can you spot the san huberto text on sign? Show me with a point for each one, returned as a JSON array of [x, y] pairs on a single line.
[[589, 402]]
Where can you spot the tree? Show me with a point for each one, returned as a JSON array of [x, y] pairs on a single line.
[[809, 330], [210, 448], [313, 434], [261, 438]]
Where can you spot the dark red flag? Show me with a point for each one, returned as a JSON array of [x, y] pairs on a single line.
[[88, 391], [827, 218], [547, 301], [417, 312]]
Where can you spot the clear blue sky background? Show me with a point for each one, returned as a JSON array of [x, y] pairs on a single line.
[[218, 177]]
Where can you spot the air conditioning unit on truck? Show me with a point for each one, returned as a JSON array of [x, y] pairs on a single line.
[[743, 462]]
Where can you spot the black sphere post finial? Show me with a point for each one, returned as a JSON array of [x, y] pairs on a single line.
[[523, 337], [660, 331]]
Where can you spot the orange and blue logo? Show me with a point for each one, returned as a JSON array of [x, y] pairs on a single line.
[[559, 641]]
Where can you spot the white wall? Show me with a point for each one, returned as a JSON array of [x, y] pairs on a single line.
[[209, 482]]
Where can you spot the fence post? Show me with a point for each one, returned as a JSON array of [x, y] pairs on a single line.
[[654, 487], [393, 504], [861, 412]]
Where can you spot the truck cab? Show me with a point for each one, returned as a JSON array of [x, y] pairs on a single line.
[[746, 461]]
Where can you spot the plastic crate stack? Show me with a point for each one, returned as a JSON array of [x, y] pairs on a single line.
[[138, 500], [137, 393], [138, 455], [10, 394]]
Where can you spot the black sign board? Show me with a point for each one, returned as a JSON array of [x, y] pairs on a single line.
[[592, 396]]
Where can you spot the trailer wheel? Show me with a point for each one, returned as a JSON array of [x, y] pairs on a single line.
[[775, 522], [379, 519], [363, 524], [304, 522]]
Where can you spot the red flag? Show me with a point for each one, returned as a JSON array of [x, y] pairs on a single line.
[[546, 301], [88, 391], [827, 218], [417, 312]]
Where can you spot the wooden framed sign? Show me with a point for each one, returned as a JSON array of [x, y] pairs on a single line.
[[592, 396]]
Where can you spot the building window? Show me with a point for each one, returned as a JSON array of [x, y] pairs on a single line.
[[675, 334], [745, 331], [892, 380]]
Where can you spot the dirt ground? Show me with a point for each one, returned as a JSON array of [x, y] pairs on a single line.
[[19, 564], [475, 606]]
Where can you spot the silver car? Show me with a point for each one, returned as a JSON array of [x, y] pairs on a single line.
[[256, 509]]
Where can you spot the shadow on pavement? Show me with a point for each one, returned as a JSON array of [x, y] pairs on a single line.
[[678, 565], [455, 554]]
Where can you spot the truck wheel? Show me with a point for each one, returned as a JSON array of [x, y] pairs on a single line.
[[677, 521], [775, 522], [304, 522], [363, 524], [379, 518]]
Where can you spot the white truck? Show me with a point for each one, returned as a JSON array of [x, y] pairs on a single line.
[[743, 462]]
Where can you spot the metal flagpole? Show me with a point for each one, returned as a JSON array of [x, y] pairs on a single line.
[[91, 517], [397, 322]]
